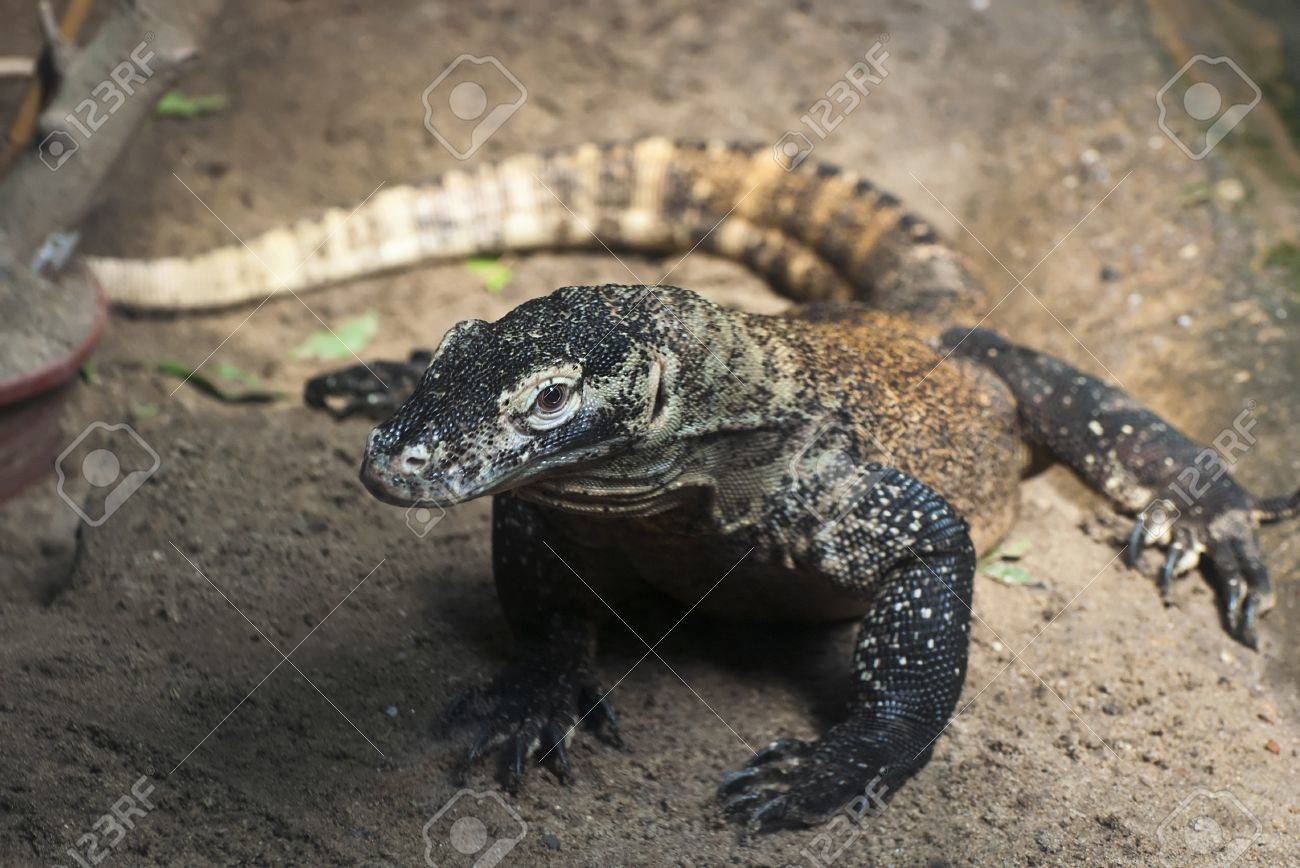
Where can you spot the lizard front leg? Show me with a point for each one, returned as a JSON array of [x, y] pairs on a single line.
[[904, 549], [375, 389], [533, 707]]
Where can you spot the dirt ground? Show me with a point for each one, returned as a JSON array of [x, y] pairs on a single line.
[[1096, 726]]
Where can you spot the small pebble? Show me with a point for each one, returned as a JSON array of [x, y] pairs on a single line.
[[1273, 747], [391, 711], [1189, 251], [551, 842], [1048, 841], [1230, 190], [1108, 273], [1184, 320]]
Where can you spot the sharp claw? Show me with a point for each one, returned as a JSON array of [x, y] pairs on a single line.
[[1167, 573], [463, 769], [777, 749], [516, 758], [560, 763], [1232, 595], [732, 782], [773, 811], [476, 749], [1245, 631], [605, 721], [743, 801], [1137, 540]]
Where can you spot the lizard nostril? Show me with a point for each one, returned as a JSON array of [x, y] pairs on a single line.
[[414, 458]]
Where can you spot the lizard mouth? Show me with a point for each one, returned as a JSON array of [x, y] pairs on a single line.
[[383, 487], [404, 489]]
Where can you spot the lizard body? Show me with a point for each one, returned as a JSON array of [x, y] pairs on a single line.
[[843, 460]]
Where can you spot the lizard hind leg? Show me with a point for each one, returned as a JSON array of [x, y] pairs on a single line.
[[1182, 493]]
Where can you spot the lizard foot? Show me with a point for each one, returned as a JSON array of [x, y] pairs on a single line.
[[1222, 528], [1192, 502], [793, 783], [375, 389], [531, 709]]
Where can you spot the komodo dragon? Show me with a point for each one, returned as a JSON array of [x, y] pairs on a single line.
[[846, 460]]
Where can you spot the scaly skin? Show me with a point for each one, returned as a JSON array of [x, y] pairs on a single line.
[[644, 434]]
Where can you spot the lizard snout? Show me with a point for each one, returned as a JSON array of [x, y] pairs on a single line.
[[395, 473]]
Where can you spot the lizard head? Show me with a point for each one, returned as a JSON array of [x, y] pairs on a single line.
[[561, 381]]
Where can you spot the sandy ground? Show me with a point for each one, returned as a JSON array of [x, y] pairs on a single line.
[[1096, 724]]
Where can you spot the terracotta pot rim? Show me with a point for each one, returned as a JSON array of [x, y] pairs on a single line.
[[54, 373]]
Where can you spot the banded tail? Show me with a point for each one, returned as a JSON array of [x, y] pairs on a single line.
[[815, 233]]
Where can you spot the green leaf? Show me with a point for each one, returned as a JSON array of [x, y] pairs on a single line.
[[227, 371], [347, 340], [1195, 193], [141, 412], [226, 383], [494, 274], [90, 372], [1284, 254], [175, 104], [1008, 574], [1014, 549]]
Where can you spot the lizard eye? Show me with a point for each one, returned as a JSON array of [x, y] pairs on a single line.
[[553, 403], [552, 398]]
